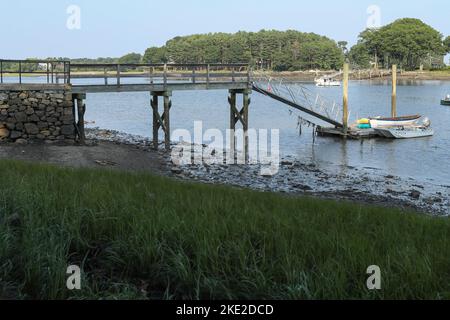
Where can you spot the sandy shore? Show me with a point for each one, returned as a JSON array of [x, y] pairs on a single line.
[[116, 150]]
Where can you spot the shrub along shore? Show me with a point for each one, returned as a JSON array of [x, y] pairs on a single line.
[[141, 236]]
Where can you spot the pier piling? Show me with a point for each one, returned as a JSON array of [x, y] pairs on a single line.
[[166, 119], [241, 116], [345, 99], [154, 105], [161, 121], [394, 91], [80, 111]]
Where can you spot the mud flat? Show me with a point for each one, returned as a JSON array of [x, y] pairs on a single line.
[[125, 152], [367, 185]]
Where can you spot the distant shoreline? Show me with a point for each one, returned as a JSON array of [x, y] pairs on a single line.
[[443, 75], [364, 75]]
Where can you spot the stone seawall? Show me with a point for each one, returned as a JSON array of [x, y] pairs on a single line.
[[29, 112]]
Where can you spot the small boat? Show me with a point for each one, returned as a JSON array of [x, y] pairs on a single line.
[[327, 82], [446, 101], [393, 122], [405, 132]]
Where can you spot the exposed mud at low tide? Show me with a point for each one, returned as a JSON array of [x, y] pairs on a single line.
[[124, 152], [364, 185]]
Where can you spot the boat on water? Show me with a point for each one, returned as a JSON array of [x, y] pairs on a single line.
[[380, 122], [446, 101], [327, 82], [405, 132]]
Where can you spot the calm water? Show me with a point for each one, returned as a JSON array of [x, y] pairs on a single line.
[[426, 159]]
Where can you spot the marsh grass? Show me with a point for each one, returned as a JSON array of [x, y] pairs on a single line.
[[138, 236]]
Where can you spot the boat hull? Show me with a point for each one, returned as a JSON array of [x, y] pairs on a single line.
[[337, 84], [327, 83], [405, 133], [445, 102], [394, 122]]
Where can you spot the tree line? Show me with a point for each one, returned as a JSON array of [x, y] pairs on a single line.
[[280, 51], [409, 43]]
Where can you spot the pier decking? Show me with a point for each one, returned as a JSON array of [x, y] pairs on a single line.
[[160, 80]]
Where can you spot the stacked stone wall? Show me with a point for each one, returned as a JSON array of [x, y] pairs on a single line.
[[36, 115]]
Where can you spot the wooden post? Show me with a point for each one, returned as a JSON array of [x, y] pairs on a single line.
[[242, 116], [81, 107], [394, 91], [161, 121], [246, 124], [345, 100], [152, 71], [64, 72], [167, 105], [232, 101], [118, 74], [20, 72], [154, 104], [165, 75], [69, 77]]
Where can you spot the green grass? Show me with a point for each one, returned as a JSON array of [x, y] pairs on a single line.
[[139, 236]]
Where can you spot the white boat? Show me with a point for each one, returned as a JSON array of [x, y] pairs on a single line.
[[446, 101], [327, 82], [394, 122], [405, 132]]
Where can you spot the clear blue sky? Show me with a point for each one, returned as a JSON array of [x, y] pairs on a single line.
[[30, 28]]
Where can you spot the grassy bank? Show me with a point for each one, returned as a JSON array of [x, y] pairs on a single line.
[[139, 236]]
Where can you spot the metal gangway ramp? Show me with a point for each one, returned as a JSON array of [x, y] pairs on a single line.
[[301, 98]]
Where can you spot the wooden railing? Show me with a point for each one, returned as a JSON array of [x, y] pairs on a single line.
[[51, 70], [113, 74], [122, 75], [62, 71]]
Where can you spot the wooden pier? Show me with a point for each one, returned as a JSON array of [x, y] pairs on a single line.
[[160, 80], [351, 133]]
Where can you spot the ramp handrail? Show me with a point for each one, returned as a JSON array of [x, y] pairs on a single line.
[[300, 98]]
